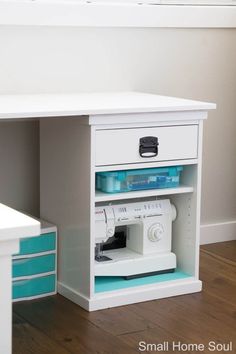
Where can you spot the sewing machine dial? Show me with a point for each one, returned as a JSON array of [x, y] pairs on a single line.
[[155, 232]]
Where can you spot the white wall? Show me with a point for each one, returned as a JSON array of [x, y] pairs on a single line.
[[19, 171], [190, 63]]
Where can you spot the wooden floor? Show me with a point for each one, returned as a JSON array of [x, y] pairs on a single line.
[[56, 325]]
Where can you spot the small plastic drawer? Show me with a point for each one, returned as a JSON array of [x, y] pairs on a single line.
[[134, 180], [32, 266], [34, 287], [43, 243]]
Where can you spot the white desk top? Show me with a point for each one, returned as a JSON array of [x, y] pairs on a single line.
[[14, 224], [49, 105]]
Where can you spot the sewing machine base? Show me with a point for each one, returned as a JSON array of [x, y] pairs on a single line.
[[125, 262]]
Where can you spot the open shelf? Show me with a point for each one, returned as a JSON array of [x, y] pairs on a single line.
[[103, 284], [104, 197]]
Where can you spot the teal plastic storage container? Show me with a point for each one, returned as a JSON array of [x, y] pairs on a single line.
[[34, 287], [32, 266], [43, 243], [134, 180]]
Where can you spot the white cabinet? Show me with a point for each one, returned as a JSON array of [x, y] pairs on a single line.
[[73, 149]]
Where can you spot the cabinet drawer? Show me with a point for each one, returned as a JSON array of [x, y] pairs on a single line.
[[34, 287], [31, 266], [122, 146], [43, 243]]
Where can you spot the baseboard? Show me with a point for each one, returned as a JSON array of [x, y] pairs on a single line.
[[73, 295], [218, 232], [131, 295], [140, 294]]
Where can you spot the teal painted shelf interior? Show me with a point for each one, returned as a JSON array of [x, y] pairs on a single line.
[[103, 284]]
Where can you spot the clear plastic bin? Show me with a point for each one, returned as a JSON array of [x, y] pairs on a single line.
[[134, 180]]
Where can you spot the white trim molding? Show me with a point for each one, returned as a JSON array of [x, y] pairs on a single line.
[[218, 232], [89, 14]]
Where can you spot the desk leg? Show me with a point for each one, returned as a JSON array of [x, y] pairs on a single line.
[[5, 304], [7, 248]]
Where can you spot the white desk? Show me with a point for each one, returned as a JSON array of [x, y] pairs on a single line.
[[81, 134], [13, 226], [93, 104]]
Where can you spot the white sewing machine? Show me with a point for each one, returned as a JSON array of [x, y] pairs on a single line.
[[148, 241]]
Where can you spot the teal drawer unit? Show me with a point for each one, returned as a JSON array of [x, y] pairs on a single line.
[[44, 243], [32, 288], [25, 267], [34, 268]]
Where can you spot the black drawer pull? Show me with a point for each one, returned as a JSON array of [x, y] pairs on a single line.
[[148, 146]]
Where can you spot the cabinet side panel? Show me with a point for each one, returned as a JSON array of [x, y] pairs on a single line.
[[184, 232], [186, 228], [65, 197]]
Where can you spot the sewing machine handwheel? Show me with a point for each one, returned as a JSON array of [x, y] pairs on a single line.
[[155, 232]]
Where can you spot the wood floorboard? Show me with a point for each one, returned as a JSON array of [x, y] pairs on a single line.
[[120, 320], [61, 320], [212, 306], [56, 325], [195, 328], [29, 340], [219, 278], [154, 335], [226, 250]]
